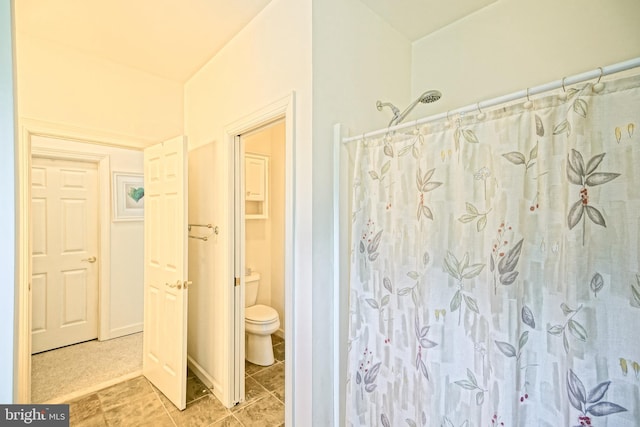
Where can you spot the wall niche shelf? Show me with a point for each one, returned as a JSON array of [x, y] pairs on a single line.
[[256, 183]]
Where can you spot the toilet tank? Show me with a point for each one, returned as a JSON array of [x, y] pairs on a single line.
[[252, 281]]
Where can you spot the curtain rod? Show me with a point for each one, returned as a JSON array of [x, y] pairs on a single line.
[[577, 78]]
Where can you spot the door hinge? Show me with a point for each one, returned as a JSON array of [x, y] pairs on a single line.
[[237, 281]]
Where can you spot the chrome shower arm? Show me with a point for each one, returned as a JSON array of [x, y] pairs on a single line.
[[394, 109], [380, 105]]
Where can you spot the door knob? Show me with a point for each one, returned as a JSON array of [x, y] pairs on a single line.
[[178, 285], [91, 259]]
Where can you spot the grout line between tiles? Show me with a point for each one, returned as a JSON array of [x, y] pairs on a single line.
[[273, 393], [166, 410], [236, 418]]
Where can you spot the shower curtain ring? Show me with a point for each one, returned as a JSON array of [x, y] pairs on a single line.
[[417, 130], [481, 114], [598, 86], [563, 95], [387, 136], [447, 124], [529, 103]]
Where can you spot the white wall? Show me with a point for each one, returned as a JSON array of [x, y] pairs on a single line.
[[514, 44], [357, 59], [60, 85], [268, 60], [203, 334], [7, 213], [126, 290]]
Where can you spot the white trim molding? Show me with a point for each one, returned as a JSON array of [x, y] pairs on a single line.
[[104, 215], [282, 108], [72, 133]]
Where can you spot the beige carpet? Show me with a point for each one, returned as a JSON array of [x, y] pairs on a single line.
[[82, 366]]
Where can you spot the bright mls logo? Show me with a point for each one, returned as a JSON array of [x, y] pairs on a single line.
[[34, 415]]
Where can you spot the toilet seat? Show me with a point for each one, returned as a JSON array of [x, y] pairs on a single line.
[[259, 314]]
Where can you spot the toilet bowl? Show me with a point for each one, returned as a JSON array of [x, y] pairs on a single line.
[[260, 321]]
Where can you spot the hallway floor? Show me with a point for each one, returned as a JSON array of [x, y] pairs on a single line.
[[63, 373], [138, 403]]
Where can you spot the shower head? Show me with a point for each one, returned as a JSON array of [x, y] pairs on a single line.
[[430, 96], [426, 98]]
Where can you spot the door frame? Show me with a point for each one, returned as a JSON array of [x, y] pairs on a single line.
[[281, 109], [28, 129]]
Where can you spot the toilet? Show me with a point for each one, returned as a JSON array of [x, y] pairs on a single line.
[[260, 321]]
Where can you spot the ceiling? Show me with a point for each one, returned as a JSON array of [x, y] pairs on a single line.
[[417, 18], [169, 38], [175, 38]]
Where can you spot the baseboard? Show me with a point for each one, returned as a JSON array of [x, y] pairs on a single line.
[[204, 376], [92, 389], [280, 333], [125, 330]]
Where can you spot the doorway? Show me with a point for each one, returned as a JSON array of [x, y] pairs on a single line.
[[280, 112], [263, 157], [76, 157]]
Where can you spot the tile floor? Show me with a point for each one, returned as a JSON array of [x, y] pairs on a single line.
[[138, 403]]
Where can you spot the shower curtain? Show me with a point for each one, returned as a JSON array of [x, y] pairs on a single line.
[[495, 277]]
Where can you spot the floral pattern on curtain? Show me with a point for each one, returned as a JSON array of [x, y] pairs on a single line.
[[495, 275]]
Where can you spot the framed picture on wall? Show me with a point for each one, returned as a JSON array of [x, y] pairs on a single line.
[[128, 196]]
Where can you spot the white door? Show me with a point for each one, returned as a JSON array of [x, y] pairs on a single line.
[[64, 203], [165, 268]]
